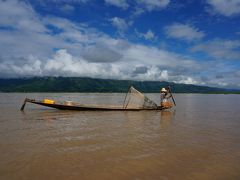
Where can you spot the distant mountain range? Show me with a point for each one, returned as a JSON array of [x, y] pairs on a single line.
[[82, 84]]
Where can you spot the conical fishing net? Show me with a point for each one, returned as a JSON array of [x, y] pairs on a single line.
[[136, 100]]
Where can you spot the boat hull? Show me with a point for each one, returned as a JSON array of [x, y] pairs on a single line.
[[84, 108]]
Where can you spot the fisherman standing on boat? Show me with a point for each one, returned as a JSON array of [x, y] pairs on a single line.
[[164, 96]]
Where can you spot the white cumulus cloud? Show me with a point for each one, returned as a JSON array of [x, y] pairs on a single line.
[[220, 48], [149, 35], [118, 3], [119, 23], [154, 4], [225, 7], [183, 32], [188, 80], [148, 5]]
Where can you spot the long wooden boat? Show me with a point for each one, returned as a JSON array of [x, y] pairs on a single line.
[[134, 101], [81, 107]]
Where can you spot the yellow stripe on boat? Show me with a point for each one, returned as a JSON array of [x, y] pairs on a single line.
[[48, 101]]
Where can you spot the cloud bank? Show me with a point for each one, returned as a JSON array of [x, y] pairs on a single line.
[[35, 45]]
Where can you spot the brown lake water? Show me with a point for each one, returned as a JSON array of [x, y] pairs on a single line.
[[198, 139]]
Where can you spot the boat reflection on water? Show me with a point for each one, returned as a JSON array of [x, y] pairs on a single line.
[[47, 115], [139, 117], [166, 118]]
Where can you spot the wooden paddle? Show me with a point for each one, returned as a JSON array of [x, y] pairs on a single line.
[[169, 88]]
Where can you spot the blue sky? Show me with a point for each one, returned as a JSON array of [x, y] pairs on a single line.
[[191, 41]]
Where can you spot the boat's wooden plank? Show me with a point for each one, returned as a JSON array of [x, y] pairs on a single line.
[[85, 107]]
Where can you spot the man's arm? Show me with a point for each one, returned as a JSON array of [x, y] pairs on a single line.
[[169, 95]]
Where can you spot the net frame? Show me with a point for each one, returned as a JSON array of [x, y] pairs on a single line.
[[136, 100]]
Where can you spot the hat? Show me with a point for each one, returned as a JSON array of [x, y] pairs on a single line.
[[163, 90]]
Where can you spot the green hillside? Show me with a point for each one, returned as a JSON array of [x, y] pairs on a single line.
[[79, 84]]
